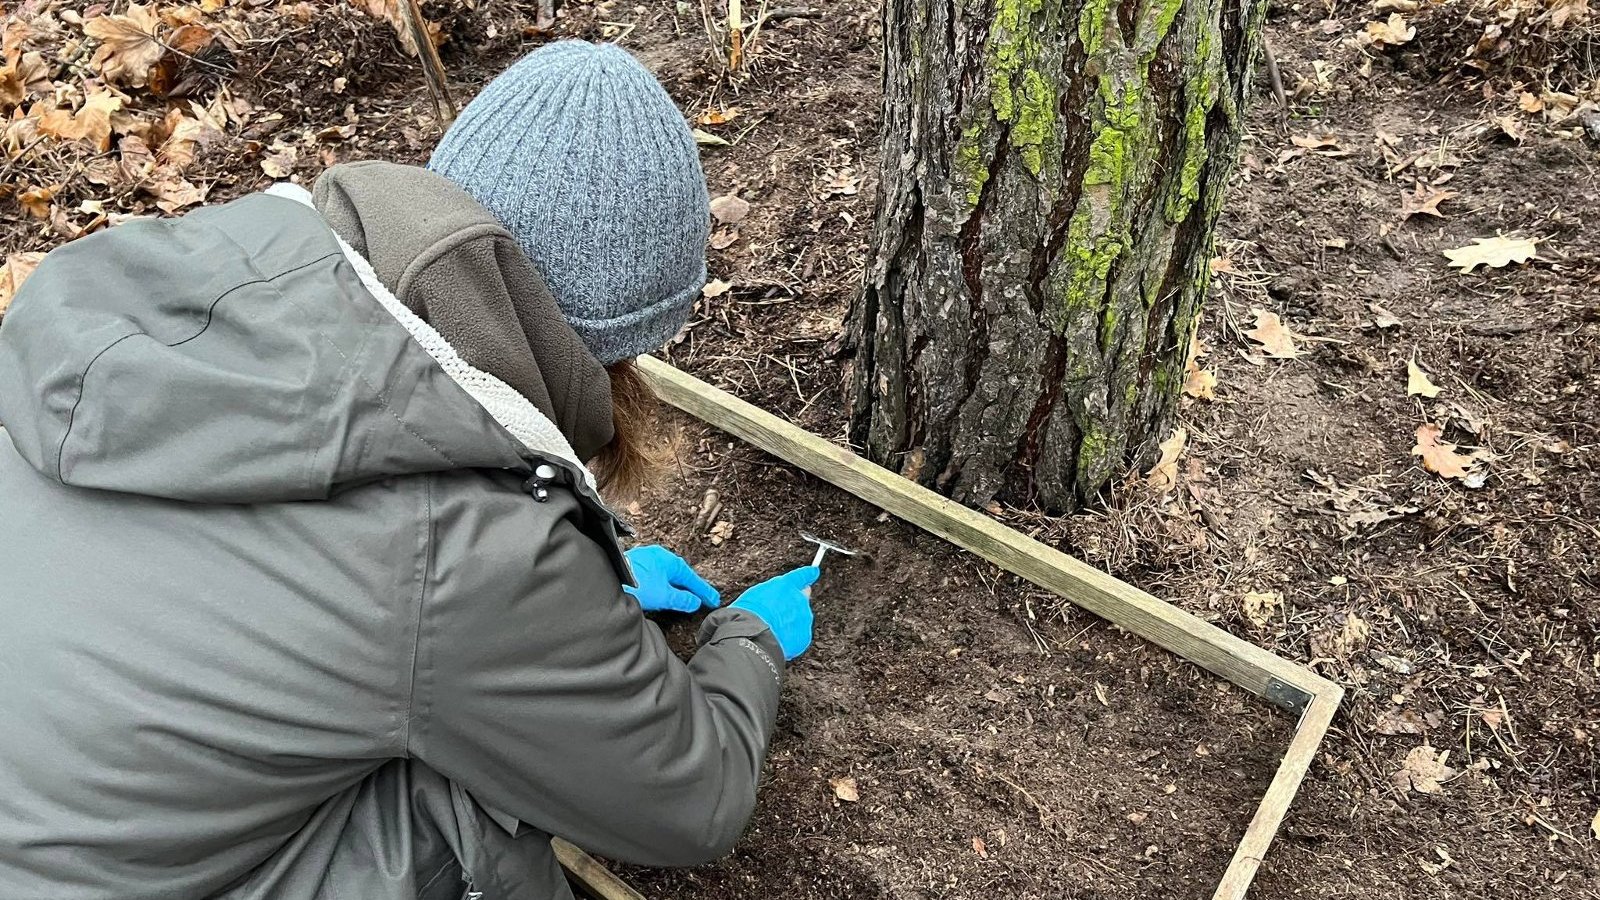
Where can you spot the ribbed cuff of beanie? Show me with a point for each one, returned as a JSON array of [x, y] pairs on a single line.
[[638, 332]]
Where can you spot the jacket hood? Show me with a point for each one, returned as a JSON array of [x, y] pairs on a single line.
[[451, 263], [240, 354]]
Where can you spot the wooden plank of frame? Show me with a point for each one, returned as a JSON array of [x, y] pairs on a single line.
[[589, 877], [1277, 680]]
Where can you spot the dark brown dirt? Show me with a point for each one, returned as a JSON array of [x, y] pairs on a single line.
[[1000, 746], [970, 708]]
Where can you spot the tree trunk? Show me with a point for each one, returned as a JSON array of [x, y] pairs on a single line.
[[1052, 174]]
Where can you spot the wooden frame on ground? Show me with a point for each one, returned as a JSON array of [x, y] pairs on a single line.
[[1284, 684]]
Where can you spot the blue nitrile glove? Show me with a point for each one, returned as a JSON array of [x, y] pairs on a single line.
[[784, 603], [666, 582]]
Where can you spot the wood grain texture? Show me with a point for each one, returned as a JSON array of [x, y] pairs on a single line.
[[1280, 793], [1185, 634], [591, 878]]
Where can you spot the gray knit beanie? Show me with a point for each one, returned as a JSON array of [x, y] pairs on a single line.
[[584, 158]]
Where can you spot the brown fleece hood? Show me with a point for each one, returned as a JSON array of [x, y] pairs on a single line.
[[450, 262]]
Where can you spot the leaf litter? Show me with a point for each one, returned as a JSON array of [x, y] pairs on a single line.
[[1163, 476], [1424, 771], [1495, 252], [1424, 200], [1198, 383], [1441, 457], [1418, 383], [13, 272], [1275, 338]]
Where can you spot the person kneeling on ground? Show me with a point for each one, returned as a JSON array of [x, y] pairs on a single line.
[[307, 591]]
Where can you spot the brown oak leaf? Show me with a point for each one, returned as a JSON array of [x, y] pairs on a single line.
[[129, 44], [1438, 456]]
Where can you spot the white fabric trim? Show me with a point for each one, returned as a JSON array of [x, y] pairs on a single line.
[[514, 412]]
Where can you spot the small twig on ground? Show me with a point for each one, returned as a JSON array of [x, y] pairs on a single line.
[[444, 107], [788, 12], [544, 18], [5, 170], [1534, 817], [1045, 819], [735, 35], [1273, 75]]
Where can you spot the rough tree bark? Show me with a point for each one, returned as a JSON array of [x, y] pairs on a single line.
[[1052, 174]]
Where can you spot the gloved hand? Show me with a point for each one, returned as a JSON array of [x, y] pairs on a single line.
[[666, 582], [784, 603]]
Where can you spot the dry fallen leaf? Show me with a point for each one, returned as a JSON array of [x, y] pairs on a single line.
[[91, 123], [1320, 144], [129, 44], [13, 272], [716, 287], [707, 139], [718, 116], [1511, 127], [980, 848], [36, 200], [843, 183], [1396, 720], [1493, 252], [730, 209], [1342, 640], [1439, 457], [1423, 771], [723, 238], [1392, 32], [1417, 381], [183, 135], [1382, 318], [280, 162], [1315, 141], [12, 90], [1276, 340], [845, 789], [1424, 201], [1594, 826], [1197, 382], [187, 44], [1444, 862], [1259, 607], [173, 192], [1164, 474], [1564, 11], [135, 159]]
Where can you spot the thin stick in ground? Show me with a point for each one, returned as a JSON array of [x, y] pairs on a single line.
[[444, 106]]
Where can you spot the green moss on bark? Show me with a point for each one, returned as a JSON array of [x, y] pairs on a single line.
[[1022, 93], [971, 169]]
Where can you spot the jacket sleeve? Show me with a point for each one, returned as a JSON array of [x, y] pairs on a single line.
[[541, 688]]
